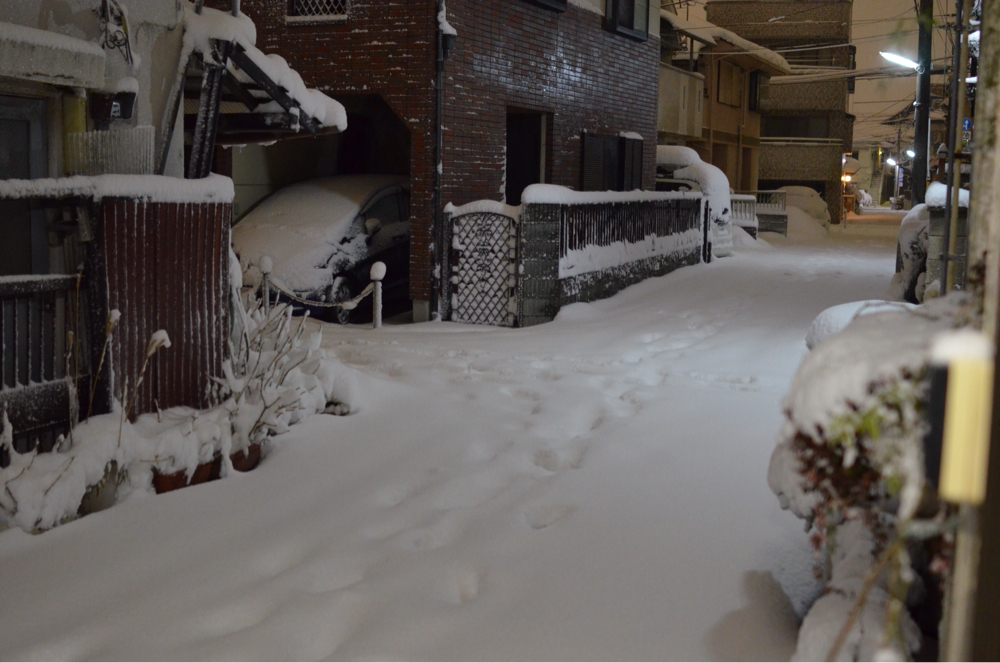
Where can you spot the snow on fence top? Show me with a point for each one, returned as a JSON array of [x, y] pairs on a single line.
[[489, 206], [937, 195], [553, 194], [153, 188], [212, 24]]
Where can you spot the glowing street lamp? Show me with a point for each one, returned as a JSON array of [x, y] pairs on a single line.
[[911, 153], [891, 161], [900, 60]]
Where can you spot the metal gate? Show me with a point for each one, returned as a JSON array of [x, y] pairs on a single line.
[[484, 269]]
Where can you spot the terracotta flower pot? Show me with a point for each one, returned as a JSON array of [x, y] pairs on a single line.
[[243, 461], [164, 483]]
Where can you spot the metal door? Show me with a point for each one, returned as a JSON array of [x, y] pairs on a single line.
[[484, 269]]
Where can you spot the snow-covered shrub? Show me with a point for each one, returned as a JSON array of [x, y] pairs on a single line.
[[276, 376], [850, 461], [909, 284]]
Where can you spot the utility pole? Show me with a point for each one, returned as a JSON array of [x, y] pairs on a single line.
[[898, 160], [925, 19]]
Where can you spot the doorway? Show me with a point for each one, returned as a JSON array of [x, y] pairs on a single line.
[[527, 136], [23, 156]]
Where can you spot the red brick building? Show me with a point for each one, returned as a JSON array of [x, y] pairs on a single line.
[[523, 83]]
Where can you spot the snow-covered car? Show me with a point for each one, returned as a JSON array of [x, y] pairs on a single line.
[[323, 235], [676, 162]]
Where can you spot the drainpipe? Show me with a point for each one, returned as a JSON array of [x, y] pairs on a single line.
[[236, 7], [437, 235]]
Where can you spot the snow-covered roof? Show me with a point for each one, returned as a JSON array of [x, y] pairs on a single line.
[[49, 57], [211, 24], [696, 28], [710, 34], [153, 188]]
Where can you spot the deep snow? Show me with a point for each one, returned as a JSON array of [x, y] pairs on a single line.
[[593, 488]]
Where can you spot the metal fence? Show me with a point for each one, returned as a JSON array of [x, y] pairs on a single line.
[[34, 311], [745, 212], [772, 216], [604, 224], [509, 271]]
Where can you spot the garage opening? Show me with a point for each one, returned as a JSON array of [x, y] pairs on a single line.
[[374, 153]]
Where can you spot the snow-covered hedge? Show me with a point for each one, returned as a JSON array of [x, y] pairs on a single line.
[[850, 461]]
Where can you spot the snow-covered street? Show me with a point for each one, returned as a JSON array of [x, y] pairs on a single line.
[[593, 488]]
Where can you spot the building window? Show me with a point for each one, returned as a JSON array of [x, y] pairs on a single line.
[[314, 11], [554, 5], [611, 163], [783, 126], [760, 85], [730, 84], [628, 17]]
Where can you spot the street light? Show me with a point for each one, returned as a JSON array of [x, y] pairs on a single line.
[[900, 60], [911, 153], [891, 161]]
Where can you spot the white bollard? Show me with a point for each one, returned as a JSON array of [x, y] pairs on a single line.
[[377, 273]]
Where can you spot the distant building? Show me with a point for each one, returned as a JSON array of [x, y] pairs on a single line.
[[806, 128], [714, 105]]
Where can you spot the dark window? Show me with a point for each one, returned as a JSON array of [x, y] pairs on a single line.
[[759, 89], [628, 17], [555, 5], [611, 163], [781, 126], [730, 84]]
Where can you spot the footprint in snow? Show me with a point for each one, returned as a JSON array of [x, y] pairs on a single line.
[[556, 460], [543, 516]]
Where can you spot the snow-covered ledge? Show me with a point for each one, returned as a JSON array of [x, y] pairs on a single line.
[[49, 57], [153, 188]]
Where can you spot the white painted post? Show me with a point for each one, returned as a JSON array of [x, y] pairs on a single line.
[[266, 265], [377, 274]]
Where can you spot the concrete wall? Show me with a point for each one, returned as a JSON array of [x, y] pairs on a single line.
[[155, 41], [807, 21], [680, 104]]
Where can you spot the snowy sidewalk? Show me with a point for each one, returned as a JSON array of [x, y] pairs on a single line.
[[594, 488]]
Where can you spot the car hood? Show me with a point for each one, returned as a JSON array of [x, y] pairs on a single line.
[[307, 229]]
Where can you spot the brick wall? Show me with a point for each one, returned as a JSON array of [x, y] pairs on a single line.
[[509, 53], [512, 54]]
